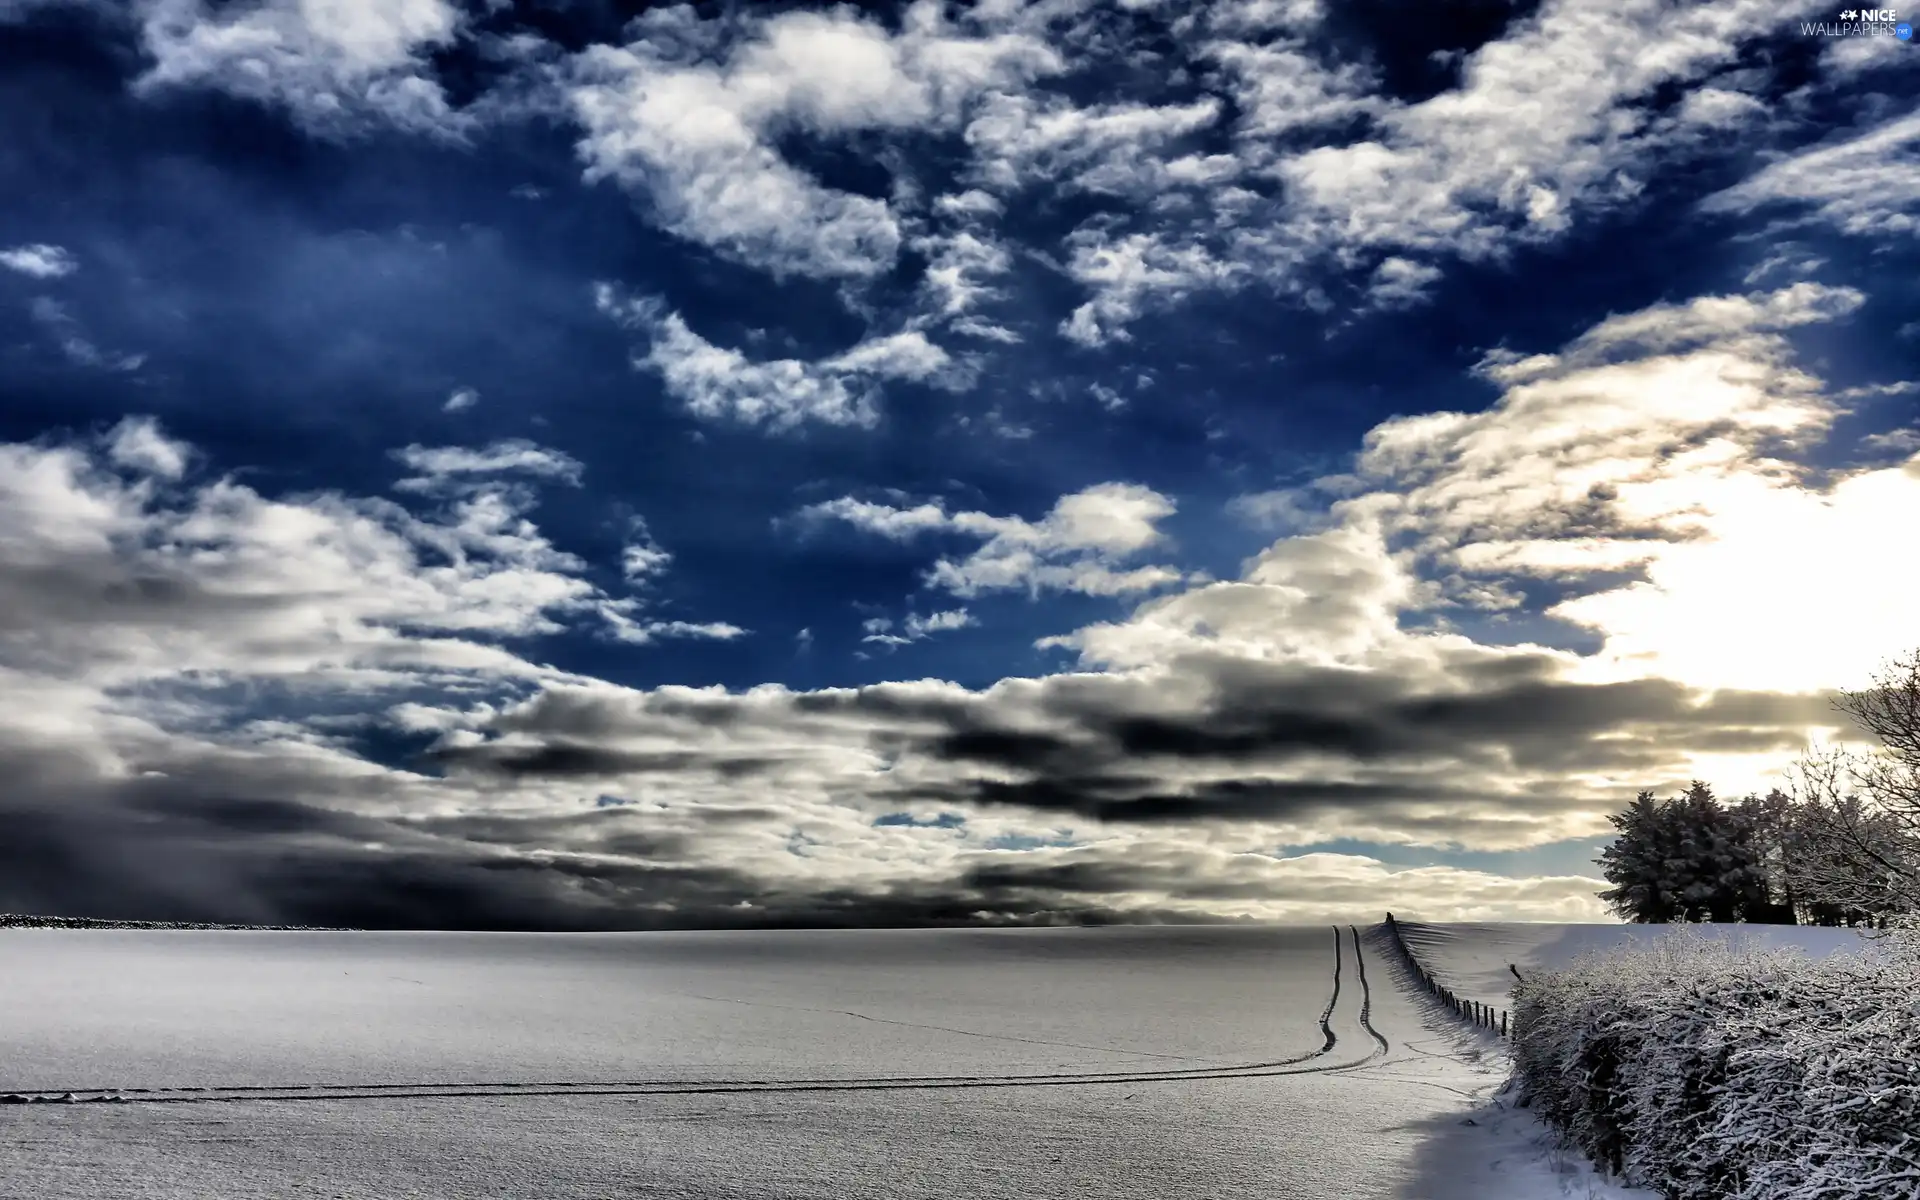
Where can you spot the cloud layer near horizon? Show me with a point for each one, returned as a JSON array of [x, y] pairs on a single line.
[[199, 674]]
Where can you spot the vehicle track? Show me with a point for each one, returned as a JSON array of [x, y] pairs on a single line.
[[1296, 1065], [1326, 1014], [1366, 993], [973, 1033]]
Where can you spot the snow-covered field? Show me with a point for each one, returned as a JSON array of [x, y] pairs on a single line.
[[1128, 1062]]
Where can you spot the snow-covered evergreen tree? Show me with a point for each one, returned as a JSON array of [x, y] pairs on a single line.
[[1638, 862], [1770, 824], [1688, 859]]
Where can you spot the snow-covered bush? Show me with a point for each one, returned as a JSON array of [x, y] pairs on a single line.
[[1712, 1073]]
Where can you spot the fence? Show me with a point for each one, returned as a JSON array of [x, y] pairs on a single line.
[[1486, 1016]]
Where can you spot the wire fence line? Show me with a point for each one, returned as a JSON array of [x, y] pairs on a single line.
[[1486, 1016]]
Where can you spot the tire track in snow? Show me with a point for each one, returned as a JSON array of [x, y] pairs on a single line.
[[1366, 993], [998, 1037], [681, 1087], [1378, 1058], [1326, 1014]]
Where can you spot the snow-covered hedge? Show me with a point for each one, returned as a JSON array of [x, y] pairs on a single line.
[[1707, 1072]]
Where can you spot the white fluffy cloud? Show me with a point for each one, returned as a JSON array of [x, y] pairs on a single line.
[[687, 121], [1867, 184], [1082, 545], [1660, 443], [39, 260], [916, 627], [1125, 271], [1122, 148], [130, 583], [335, 65], [138, 444], [443, 468], [1546, 121], [1326, 177], [719, 384]]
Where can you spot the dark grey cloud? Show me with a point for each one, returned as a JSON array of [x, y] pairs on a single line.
[[172, 852], [1263, 743], [569, 759]]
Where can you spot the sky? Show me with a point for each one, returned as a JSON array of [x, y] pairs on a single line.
[[563, 464]]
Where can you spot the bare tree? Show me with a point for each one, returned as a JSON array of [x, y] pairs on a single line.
[[1861, 811]]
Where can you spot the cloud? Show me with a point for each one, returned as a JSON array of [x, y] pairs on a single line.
[[137, 444], [338, 67], [643, 562], [1281, 87], [642, 558], [129, 584], [1290, 510], [461, 400], [645, 631], [1125, 272], [1866, 185], [444, 468], [719, 384], [1844, 60], [1401, 283], [75, 344], [1120, 148], [180, 656], [916, 627], [1293, 706], [1487, 751], [1546, 120], [1897, 441], [1790, 259], [955, 283], [688, 120], [1277, 160], [1647, 469], [1080, 546], [1329, 180], [39, 260]]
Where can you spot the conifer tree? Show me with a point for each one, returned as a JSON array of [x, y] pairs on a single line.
[[1637, 863]]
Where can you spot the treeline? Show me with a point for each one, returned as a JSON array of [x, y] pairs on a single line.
[[1695, 858], [1842, 848], [30, 921]]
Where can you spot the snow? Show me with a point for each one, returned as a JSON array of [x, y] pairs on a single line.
[[1129, 1062], [1473, 959]]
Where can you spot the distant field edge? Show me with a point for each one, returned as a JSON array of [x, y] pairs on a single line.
[[29, 921]]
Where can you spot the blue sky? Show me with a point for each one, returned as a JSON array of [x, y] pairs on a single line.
[[571, 464]]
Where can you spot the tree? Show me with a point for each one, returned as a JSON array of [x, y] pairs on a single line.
[[1770, 821], [1848, 863], [1638, 862], [1861, 811], [1713, 865], [1692, 858]]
